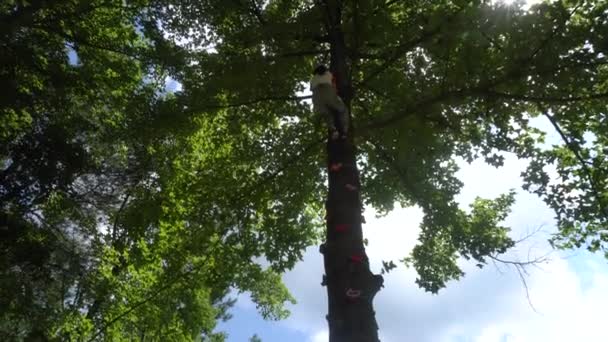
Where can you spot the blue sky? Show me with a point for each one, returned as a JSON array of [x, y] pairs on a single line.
[[569, 291]]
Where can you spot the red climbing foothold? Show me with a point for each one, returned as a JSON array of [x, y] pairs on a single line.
[[335, 167], [342, 227], [353, 294], [350, 187], [356, 258]]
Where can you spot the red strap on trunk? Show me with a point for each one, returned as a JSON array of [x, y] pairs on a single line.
[[342, 227], [356, 258]]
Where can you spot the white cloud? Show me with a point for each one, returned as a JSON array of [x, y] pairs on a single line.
[[566, 312], [486, 305], [321, 336]]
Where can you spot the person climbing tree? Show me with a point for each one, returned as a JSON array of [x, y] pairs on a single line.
[[327, 103]]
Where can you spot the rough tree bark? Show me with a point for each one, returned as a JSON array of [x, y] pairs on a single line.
[[351, 286]]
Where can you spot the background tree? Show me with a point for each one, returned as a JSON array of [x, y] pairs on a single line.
[[130, 212], [98, 215]]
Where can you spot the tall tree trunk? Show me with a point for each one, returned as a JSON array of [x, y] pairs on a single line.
[[351, 286]]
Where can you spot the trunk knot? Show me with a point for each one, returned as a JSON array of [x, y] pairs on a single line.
[[378, 282], [323, 248]]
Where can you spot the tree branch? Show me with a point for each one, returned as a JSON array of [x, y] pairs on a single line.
[[529, 235], [402, 49], [531, 262], [520, 267], [516, 71], [554, 32], [386, 6], [536, 99], [411, 110], [603, 209], [482, 89], [257, 12], [303, 53], [252, 8], [83, 42], [116, 219], [390, 162], [259, 100]]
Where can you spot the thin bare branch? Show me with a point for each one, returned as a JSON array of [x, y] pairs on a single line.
[[525, 284], [496, 265], [528, 262], [520, 267], [529, 235]]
